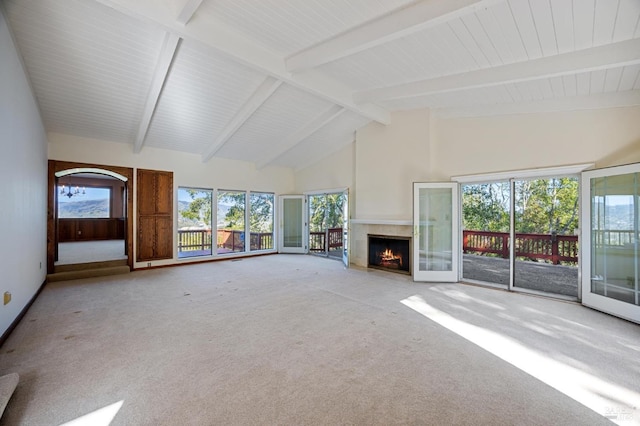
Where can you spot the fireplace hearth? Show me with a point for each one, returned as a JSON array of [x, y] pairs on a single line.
[[389, 253]]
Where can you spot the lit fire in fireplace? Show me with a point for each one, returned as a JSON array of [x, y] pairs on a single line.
[[389, 259]]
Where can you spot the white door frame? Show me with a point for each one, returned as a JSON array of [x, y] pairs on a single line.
[[450, 275], [345, 190], [615, 307], [304, 230]]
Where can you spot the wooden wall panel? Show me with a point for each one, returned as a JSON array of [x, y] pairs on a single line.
[[164, 197], [155, 215], [90, 229], [55, 166]]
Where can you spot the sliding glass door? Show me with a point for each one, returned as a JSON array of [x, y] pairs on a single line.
[[540, 216], [610, 226], [486, 209], [546, 240]]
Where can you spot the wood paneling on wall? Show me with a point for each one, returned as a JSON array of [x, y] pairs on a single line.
[[52, 220], [90, 229], [155, 215]]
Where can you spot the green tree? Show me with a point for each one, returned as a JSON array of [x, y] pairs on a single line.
[[260, 213], [543, 206], [199, 208], [326, 211], [485, 207]]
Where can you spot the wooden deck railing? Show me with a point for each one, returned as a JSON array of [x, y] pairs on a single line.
[[317, 239], [555, 248], [614, 238], [200, 239]]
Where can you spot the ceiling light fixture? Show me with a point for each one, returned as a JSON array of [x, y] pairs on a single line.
[[69, 193]]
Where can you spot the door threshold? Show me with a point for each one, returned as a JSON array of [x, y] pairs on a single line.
[[504, 287]]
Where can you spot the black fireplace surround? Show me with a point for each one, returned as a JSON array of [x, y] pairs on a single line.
[[389, 253]]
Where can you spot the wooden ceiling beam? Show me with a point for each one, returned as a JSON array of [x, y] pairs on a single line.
[[163, 65], [188, 10], [301, 134], [228, 42], [255, 101], [401, 23], [596, 58]]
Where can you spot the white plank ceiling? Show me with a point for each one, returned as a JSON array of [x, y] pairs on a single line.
[[288, 82]]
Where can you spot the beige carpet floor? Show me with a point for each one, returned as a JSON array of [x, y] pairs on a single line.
[[294, 340]]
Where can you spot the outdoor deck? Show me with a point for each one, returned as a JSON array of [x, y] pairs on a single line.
[[198, 242], [559, 279]]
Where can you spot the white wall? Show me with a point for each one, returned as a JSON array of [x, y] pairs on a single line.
[[332, 172], [418, 147], [23, 191], [492, 144], [188, 169], [388, 159]]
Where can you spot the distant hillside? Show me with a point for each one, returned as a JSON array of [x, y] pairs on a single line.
[[619, 217], [84, 209], [184, 222], [100, 208]]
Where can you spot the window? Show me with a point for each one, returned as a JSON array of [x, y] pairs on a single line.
[[76, 202], [238, 215], [231, 221], [194, 222], [261, 220]]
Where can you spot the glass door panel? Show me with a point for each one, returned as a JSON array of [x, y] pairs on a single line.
[[318, 230], [194, 222], [261, 221], [292, 226], [435, 225], [231, 224], [326, 224], [486, 208], [611, 223], [546, 235], [345, 228]]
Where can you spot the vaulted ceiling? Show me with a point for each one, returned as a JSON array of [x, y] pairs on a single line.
[[287, 82]]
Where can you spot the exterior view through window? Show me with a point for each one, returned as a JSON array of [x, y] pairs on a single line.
[[546, 233], [231, 221], [232, 208], [261, 220], [76, 202], [326, 219], [196, 229], [194, 222]]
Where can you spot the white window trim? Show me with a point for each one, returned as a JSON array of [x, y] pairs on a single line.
[[524, 174]]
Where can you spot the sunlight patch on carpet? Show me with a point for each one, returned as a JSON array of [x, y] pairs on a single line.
[[616, 403], [100, 417]]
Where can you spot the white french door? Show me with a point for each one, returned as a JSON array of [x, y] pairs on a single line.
[[610, 236], [345, 229], [435, 232], [293, 230]]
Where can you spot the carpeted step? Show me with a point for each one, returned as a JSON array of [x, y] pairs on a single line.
[[8, 384], [89, 265], [87, 273]]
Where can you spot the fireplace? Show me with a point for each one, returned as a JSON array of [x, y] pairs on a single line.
[[389, 253]]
